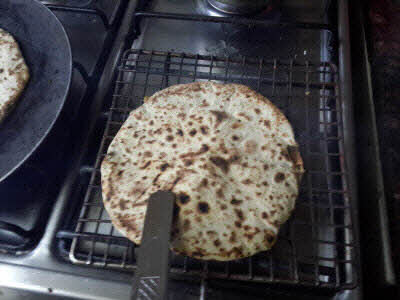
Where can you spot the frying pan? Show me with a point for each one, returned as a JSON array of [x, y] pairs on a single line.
[[47, 52]]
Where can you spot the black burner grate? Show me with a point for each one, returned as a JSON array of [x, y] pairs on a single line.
[[316, 246]]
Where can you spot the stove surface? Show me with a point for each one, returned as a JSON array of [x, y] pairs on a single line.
[[61, 180], [206, 38]]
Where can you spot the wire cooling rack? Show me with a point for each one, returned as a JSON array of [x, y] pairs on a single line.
[[315, 247]]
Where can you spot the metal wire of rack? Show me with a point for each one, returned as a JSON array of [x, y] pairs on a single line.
[[316, 246]]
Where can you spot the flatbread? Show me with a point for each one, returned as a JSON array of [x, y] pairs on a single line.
[[14, 73], [227, 153]]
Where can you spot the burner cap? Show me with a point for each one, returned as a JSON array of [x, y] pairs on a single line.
[[241, 7]]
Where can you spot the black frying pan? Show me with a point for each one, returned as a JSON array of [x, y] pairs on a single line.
[[47, 52]]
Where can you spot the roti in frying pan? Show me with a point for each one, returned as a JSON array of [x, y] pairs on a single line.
[[227, 153], [14, 73]]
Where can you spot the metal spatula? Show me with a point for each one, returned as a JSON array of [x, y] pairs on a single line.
[[151, 276]]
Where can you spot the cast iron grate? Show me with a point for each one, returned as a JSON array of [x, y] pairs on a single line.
[[316, 247]]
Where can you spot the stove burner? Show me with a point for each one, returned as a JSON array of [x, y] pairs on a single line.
[[213, 8], [239, 7]]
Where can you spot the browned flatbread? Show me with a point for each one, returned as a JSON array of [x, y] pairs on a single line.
[[227, 153], [14, 73]]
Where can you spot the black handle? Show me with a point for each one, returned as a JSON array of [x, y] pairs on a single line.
[[13, 237], [151, 277]]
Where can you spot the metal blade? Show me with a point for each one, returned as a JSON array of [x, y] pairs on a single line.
[[151, 277]]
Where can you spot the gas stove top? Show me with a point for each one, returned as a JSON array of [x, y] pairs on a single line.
[[59, 240]]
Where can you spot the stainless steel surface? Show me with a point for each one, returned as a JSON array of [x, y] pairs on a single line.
[[239, 6], [225, 39], [46, 270]]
